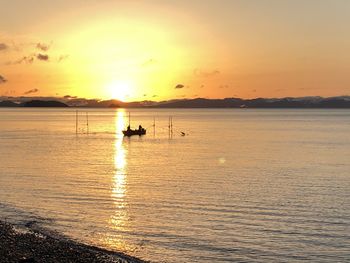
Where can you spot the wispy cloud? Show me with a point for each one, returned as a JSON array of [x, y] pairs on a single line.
[[70, 97], [43, 57], [39, 52], [3, 46], [31, 91], [179, 86], [26, 59], [30, 59], [43, 46], [62, 57], [2, 80]]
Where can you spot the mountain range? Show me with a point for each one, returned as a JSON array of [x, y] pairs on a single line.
[[288, 102]]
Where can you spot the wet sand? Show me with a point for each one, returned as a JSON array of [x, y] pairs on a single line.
[[32, 246]]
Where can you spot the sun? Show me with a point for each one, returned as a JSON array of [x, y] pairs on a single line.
[[120, 90]]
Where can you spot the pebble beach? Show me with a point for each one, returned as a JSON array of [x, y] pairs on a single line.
[[30, 246]]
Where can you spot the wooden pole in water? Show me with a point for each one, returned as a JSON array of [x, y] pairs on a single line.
[[76, 122], [171, 126], [87, 122], [154, 126]]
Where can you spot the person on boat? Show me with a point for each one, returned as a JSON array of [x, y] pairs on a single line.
[[128, 129], [140, 128]]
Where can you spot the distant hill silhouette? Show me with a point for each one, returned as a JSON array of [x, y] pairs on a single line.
[[202, 103], [8, 103], [290, 102], [307, 102], [41, 103]]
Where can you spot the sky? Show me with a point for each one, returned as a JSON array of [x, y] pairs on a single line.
[[170, 49]]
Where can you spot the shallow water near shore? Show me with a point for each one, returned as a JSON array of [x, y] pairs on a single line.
[[242, 185]]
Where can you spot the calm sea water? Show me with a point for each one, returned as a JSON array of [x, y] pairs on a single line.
[[241, 186]]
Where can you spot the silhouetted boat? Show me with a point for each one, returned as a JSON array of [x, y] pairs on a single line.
[[129, 132]]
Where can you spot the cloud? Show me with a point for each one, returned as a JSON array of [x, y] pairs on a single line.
[[69, 97], [25, 59], [179, 86], [62, 57], [3, 46], [43, 57], [30, 59], [2, 80], [206, 74], [31, 91], [43, 47]]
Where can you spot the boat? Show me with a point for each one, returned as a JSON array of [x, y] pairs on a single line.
[[130, 132]]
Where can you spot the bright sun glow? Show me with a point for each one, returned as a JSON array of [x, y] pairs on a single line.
[[120, 90], [129, 61]]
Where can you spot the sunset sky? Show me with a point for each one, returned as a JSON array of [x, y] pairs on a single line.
[[156, 50]]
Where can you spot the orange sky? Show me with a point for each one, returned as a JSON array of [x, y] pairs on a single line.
[[155, 50]]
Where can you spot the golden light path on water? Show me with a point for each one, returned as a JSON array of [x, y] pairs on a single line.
[[118, 221]]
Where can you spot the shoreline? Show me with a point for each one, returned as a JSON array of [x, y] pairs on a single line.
[[32, 246]]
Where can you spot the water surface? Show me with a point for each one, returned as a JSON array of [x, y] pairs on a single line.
[[242, 185]]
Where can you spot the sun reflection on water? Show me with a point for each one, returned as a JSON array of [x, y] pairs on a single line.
[[119, 189], [118, 222]]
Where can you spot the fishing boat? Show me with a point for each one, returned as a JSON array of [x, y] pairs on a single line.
[[130, 132]]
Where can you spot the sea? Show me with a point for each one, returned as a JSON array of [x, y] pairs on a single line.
[[203, 185]]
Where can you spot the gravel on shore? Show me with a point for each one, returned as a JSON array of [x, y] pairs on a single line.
[[33, 247]]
